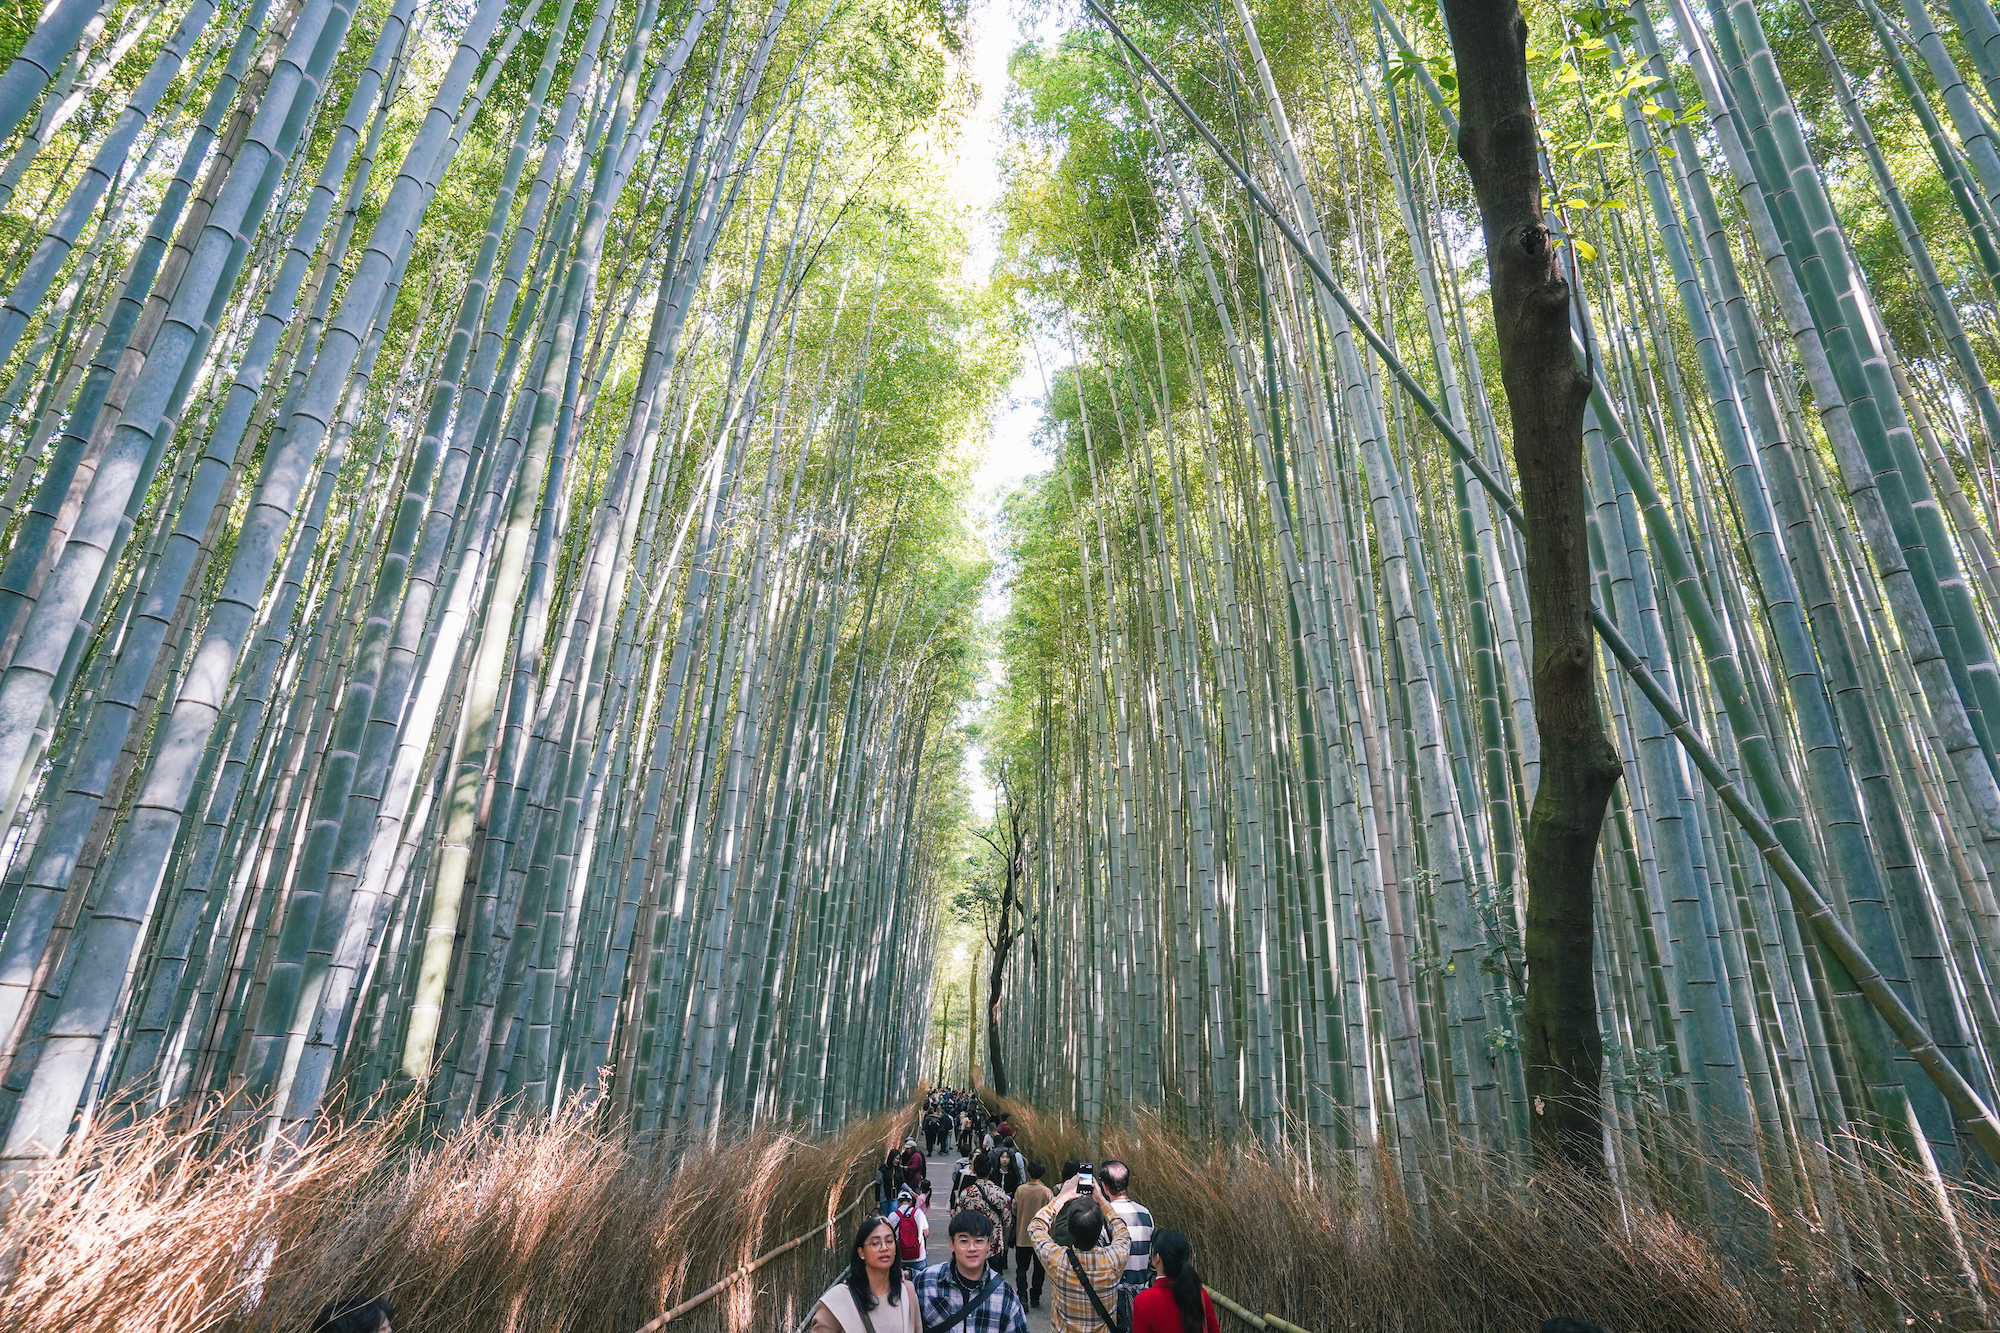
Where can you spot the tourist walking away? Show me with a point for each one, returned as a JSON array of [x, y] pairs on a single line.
[[873, 1295], [354, 1314], [936, 1127], [1114, 1178], [964, 1294], [1175, 1302], [1029, 1200], [984, 1196], [913, 1230], [1086, 1274]]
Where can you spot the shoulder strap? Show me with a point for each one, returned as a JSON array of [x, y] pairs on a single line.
[[973, 1301], [1096, 1301]]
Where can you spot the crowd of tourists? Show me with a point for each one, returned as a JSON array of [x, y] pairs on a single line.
[[1086, 1243]]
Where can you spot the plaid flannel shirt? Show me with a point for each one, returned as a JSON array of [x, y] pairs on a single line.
[[939, 1297], [1071, 1311]]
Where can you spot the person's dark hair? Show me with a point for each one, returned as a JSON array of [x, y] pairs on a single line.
[[970, 1222], [1069, 1169], [1564, 1323], [1176, 1262], [1115, 1177], [1035, 1168], [1085, 1223], [857, 1267], [982, 1165], [354, 1314]]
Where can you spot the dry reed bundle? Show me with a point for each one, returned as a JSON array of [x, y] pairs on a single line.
[[552, 1224], [1344, 1247]]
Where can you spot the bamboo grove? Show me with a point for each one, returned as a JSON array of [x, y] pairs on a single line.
[[485, 607], [1269, 657]]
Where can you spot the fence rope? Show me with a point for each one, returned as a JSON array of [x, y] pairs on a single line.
[[709, 1292], [1264, 1321]]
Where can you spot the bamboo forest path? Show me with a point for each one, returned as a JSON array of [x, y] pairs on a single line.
[[494, 619]]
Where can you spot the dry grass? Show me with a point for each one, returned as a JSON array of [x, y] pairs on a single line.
[[561, 1226], [1345, 1249], [551, 1226]]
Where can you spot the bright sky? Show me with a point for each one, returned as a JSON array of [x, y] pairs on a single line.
[[1011, 451]]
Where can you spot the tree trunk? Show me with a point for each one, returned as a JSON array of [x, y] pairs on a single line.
[[1013, 858], [1546, 392], [993, 1034]]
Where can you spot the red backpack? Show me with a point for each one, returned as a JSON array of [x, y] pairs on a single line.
[[909, 1241]]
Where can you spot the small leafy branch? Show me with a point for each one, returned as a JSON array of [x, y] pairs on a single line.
[[1643, 1073]]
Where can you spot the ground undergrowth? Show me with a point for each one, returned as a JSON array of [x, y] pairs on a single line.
[[1341, 1242], [556, 1226]]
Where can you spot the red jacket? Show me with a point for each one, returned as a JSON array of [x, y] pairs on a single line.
[[1154, 1311]]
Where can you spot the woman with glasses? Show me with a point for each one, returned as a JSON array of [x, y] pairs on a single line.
[[873, 1295]]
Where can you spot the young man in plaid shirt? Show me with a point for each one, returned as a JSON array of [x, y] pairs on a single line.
[[1071, 1310], [945, 1289]]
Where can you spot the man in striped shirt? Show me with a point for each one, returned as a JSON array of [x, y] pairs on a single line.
[[1115, 1179]]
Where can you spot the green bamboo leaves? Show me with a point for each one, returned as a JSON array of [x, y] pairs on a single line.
[[1794, 886], [413, 689]]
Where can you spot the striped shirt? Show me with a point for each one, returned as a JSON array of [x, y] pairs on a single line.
[[1138, 1268]]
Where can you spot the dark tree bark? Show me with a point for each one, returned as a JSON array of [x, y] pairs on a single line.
[[1009, 923], [1546, 393]]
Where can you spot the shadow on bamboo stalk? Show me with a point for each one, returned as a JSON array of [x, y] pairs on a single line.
[[1328, 1239], [553, 1224]]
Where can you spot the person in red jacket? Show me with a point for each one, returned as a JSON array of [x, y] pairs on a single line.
[[1175, 1303]]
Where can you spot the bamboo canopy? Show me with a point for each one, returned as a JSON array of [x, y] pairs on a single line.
[[1269, 657], [485, 606], [488, 608]]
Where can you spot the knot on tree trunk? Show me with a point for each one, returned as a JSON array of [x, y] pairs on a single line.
[[1537, 278]]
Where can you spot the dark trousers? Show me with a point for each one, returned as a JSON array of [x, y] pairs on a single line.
[[1024, 1259]]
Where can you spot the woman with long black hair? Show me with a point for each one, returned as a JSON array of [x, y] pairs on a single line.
[[873, 1295], [888, 1179], [1175, 1303]]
